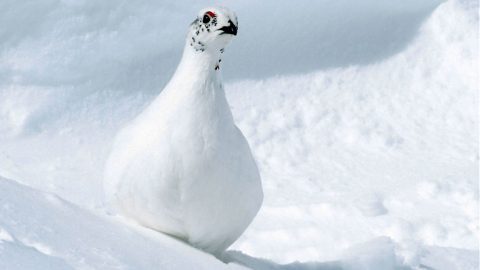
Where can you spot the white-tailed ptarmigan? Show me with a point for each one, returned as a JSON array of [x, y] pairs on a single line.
[[182, 167]]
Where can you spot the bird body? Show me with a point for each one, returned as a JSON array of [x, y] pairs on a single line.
[[182, 166]]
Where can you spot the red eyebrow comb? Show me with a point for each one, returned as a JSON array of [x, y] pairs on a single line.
[[211, 14]]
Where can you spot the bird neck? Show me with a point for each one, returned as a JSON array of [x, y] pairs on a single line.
[[202, 64], [196, 75], [196, 81]]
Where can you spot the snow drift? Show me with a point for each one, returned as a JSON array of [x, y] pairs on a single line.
[[54, 234], [362, 117]]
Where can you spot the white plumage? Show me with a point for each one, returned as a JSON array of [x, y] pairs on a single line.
[[182, 166]]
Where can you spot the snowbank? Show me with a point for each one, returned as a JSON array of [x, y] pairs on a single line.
[[389, 148], [41, 231]]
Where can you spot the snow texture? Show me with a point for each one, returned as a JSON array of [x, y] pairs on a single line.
[[50, 233], [362, 117]]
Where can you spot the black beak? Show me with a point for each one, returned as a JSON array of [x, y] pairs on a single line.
[[230, 29]]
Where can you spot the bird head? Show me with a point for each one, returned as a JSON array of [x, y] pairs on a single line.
[[213, 29]]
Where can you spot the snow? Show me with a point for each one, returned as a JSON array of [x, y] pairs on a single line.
[[360, 145], [362, 116], [50, 233]]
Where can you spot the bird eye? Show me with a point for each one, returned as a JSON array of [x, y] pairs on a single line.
[[206, 18], [208, 15]]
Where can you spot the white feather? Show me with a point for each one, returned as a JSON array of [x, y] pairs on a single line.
[[182, 166]]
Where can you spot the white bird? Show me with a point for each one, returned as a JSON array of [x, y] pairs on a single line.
[[182, 166]]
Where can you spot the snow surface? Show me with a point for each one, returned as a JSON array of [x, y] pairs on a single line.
[[46, 232], [362, 115]]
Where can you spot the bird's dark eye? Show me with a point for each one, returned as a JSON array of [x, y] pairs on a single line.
[[206, 18], [208, 15]]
